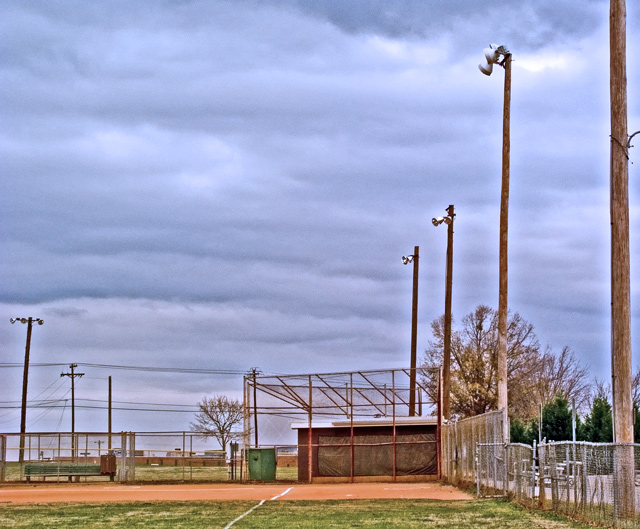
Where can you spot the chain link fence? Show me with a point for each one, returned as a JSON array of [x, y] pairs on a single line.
[[595, 482], [599, 482], [459, 440]]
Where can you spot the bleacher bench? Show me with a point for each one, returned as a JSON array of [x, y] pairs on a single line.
[[44, 470]]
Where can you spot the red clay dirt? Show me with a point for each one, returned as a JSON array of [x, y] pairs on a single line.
[[99, 493]]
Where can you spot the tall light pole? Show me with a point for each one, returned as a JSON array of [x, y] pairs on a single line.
[[25, 378], [501, 56], [446, 361], [414, 328]]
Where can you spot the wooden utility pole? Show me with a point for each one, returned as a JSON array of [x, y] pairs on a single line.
[[415, 258], [620, 258], [446, 362], [621, 369], [73, 376], [25, 380], [414, 333], [109, 425], [492, 55], [504, 231], [254, 373]]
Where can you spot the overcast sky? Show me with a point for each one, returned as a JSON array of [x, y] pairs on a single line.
[[220, 185]]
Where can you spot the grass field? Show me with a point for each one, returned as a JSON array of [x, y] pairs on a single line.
[[370, 514]]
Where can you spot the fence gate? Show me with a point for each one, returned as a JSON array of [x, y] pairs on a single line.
[[506, 470]]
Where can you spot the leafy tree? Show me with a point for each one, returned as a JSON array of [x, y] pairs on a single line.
[[217, 418]]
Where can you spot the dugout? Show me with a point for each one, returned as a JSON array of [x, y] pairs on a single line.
[[404, 449]]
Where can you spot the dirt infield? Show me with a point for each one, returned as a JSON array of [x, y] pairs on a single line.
[[98, 493]]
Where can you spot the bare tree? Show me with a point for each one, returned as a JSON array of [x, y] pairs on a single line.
[[533, 377], [563, 374], [474, 361], [217, 418]]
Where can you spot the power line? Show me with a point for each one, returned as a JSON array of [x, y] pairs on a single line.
[[198, 371], [102, 405]]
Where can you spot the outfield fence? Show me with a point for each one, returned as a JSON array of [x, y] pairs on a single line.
[[139, 457]]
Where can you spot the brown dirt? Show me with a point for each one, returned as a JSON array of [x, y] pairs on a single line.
[[98, 493]]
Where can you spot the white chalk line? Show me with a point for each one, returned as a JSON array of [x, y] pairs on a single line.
[[255, 507]]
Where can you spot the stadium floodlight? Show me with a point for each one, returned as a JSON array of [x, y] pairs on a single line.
[[492, 56], [436, 221]]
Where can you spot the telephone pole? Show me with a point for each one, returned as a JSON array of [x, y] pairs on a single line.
[[254, 373], [620, 265], [73, 376]]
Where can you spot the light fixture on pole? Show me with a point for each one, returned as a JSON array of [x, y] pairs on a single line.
[[25, 378], [414, 329], [492, 56], [501, 56], [446, 360]]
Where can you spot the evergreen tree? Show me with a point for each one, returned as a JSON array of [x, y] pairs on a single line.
[[557, 420], [519, 431], [599, 423]]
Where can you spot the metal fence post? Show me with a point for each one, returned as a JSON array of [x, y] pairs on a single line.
[[3, 456], [478, 465]]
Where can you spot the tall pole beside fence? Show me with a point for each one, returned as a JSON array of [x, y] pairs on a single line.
[[620, 266], [500, 55]]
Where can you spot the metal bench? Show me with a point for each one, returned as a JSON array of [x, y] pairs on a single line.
[[44, 470]]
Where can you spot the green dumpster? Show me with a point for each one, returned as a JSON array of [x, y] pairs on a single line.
[[262, 464]]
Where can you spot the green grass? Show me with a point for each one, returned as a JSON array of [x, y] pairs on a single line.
[[369, 514]]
